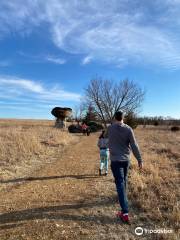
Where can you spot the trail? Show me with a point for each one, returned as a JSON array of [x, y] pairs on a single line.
[[66, 199]]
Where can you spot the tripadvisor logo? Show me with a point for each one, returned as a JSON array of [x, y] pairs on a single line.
[[139, 231]]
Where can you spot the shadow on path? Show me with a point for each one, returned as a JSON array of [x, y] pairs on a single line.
[[56, 213], [9, 226], [16, 180]]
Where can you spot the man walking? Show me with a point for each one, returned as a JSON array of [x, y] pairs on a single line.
[[121, 138]]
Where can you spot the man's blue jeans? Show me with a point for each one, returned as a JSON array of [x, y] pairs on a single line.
[[120, 171]]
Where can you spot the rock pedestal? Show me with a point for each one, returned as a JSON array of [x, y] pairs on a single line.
[[60, 123], [61, 114]]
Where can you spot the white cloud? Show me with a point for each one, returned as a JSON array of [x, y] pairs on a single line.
[[14, 88], [55, 60], [42, 58], [24, 98], [118, 32], [21, 83], [87, 60]]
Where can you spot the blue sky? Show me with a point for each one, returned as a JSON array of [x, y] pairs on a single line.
[[49, 51]]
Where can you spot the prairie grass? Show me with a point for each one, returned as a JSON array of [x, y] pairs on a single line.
[[27, 144], [155, 191]]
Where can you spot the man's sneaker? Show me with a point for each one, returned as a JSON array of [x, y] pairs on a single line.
[[100, 172], [106, 173], [123, 216]]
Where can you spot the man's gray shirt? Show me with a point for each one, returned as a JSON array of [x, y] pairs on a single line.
[[121, 141]]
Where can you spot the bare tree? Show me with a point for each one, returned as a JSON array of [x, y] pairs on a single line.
[[107, 97], [79, 111]]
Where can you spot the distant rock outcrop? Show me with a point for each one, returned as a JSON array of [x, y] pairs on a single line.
[[61, 113]]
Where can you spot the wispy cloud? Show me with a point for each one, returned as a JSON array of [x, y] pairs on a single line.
[[118, 32], [29, 85], [55, 60], [43, 58], [87, 60], [13, 88]]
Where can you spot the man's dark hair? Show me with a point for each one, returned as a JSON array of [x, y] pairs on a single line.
[[119, 115]]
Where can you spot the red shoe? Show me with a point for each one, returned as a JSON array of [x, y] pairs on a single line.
[[123, 216]]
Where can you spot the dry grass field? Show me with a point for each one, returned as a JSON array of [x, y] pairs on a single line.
[[27, 145], [155, 192], [50, 188]]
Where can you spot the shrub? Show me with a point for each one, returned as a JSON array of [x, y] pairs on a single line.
[[74, 128], [156, 123], [94, 126], [130, 120], [175, 128]]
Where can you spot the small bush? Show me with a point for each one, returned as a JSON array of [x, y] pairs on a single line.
[[156, 123], [131, 120], [94, 126], [74, 128], [175, 128]]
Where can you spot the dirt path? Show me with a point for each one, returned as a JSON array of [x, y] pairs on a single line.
[[64, 200]]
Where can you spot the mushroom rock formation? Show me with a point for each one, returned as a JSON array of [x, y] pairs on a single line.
[[61, 114]]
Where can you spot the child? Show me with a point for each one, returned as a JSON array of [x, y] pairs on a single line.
[[84, 128], [104, 153], [88, 131]]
